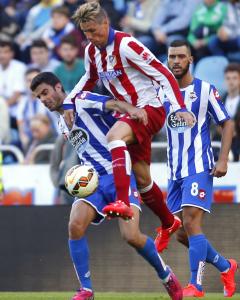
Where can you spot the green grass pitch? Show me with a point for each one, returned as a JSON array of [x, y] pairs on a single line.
[[99, 296]]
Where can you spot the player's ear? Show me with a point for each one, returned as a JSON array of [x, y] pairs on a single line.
[[191, 59], [58, 87]]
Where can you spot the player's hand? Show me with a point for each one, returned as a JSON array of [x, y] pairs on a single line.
[[139, 114], [69, 117], [187, 117], [220, 169]]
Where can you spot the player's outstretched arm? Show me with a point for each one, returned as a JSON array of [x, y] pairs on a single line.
[[220, 169], [123, 107]]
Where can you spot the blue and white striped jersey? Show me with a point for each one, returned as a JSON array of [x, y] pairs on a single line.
[[88, 135], [189, 149]]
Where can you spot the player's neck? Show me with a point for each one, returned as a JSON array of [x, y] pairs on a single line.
[[185, 81]]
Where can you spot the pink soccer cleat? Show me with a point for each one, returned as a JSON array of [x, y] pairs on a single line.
[[228, 279], [118, 209], [163, 234], [173, 287], [83, 295]]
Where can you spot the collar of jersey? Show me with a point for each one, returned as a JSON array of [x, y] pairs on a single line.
[[111, 35]]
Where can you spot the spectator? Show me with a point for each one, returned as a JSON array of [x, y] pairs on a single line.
[[72, 5], [63, 157], [171, 22], [28, 108], [42, 134], [8, 26], [40, 57], [72, 68], [206, 21], [38, 19], [11, 80], [227, 39], [4, 122], [139, 16], [232, 97]]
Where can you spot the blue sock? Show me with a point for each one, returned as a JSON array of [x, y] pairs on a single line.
[[197, 257], [214, 258], [149, 253], [80, 256]]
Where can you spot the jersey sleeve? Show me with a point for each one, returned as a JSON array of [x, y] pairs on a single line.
[[88, 100], [142, 59], [88, 80], [216, 107]]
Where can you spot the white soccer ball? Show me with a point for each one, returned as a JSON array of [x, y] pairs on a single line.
[[81, 181]]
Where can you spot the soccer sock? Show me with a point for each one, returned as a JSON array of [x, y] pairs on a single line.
[[80, 256], [152, 196], [149, 253], [121, 163], [197, 257], [214, 258]]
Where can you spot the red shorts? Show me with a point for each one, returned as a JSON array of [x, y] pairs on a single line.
[[144, 134]]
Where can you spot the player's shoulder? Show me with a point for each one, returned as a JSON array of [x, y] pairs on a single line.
[[203, 85], [124, 39]]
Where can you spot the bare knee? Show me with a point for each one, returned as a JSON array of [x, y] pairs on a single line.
[[192, 225], [133, 238], [182, 237], [76, 229]]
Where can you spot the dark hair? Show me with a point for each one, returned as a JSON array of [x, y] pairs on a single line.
[[180, 43], [8, 44], [62, 10], [69, 39], [32, 70], [232, 67], [44, 77], [39, 44]]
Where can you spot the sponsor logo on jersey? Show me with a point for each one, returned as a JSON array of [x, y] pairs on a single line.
[[109, 75], [177, 125], [192, 96], [83, 95], [79, 138], [202, 194]]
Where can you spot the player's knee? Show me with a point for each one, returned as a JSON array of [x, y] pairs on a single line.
[[182, 238], [132, 238], [76, 229], [189, 225], [143, 180]]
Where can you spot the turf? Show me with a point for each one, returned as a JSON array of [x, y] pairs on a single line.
[[99, 296]]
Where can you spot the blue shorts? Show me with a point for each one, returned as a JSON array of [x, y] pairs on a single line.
[[106, 193], [195, 190]]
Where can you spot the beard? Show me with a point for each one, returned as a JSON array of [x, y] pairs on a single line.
[[182, 74]]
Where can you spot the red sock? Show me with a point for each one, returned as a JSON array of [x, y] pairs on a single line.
[[121, 164], [152, 196]]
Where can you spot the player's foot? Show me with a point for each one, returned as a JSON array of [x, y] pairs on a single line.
[[83, 295], [191, 291], [228, 279], [118, 209], [173, 287], [163, 234]]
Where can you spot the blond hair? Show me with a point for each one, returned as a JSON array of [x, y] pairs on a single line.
[[88, 12]]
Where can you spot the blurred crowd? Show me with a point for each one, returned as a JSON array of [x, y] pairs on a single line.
[[40, 36]]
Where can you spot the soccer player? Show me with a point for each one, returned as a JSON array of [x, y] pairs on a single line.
[[131, 73], [88, 137], [192, 168]]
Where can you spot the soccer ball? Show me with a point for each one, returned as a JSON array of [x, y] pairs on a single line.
[[81, 181]]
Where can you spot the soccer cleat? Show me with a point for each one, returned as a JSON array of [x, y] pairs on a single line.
[[191, 291], [229, 280], [163, 234], [173, 287], [83, 295], [118, 209]]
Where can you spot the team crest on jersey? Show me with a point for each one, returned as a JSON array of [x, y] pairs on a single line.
[[192, 96], [79, 138], [112, 59], [177, 125]]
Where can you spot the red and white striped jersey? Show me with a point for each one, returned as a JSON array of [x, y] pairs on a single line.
[[129, 71]]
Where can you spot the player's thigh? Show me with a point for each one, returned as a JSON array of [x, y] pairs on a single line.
[[142, 173], [82, 214], [197, 191], [121, 131], [174, 196]]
